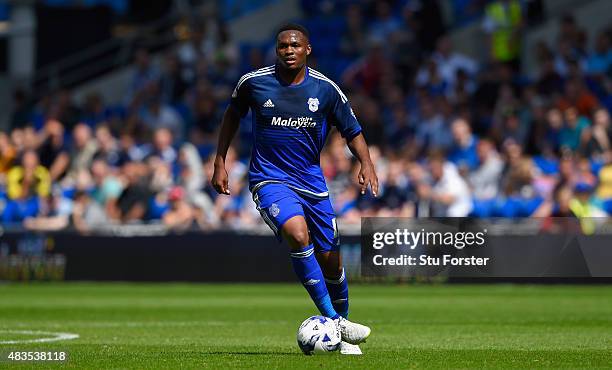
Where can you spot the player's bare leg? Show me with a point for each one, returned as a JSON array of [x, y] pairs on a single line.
[[295, 232]]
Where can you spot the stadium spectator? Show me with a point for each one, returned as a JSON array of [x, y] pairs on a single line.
[[129, 150], [160, 172], [82, 152], [162, 146], [108, 147], [583, 205], [180, 215], [26, 184], [600, 60], [156, 115], [30, 179], [571, 135], [429, 77], [596, 139], [558, 213], [106, 187], [8, 155], [450, 62], [463, 150], [448, 194], [133, 202], [577, 96], [192, 179], [52, 150], [484, 179], [396, 198], [384, 23], [504, 22], [87, 214], [552, 135], [432, 132]]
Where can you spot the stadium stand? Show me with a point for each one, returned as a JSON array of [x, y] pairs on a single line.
[[451, 135]]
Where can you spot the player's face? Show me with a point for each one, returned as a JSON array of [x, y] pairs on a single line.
[[292, 48]]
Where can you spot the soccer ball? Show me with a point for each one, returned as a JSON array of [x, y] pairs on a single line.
[[318, 335]]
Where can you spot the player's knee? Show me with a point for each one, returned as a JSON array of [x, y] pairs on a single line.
[[299, 238]]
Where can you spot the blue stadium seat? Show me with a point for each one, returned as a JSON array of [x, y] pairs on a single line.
[[17, 210], [529, 206], [483, 208], [607, 206], [546, 165], [69, 192], [507, 207]]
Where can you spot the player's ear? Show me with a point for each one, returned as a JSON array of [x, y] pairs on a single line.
[[308, 49]]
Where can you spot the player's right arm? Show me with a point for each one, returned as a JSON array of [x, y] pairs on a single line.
[[238, 108], [229, 126]]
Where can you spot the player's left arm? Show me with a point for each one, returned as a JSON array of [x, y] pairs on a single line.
[[367, 173]]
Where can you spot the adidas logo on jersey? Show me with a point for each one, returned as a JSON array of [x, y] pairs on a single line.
[[268, 104]]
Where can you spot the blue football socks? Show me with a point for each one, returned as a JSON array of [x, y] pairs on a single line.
[[338, 291], [309, 272]]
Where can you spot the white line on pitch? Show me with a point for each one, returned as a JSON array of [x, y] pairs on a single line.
[[53, 336], [137, 324]]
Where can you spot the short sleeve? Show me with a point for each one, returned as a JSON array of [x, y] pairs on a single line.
[[239, 100], [342, 115]]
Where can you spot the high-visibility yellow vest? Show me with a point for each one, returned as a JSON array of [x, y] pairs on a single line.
[[42, 185], [584, 212], [505, 47]]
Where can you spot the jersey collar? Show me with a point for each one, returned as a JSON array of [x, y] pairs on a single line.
[[280, 80]]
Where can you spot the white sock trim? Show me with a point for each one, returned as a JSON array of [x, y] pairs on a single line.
[[303, 254], [340, 280]]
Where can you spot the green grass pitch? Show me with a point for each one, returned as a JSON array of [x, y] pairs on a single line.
[[253, 326]]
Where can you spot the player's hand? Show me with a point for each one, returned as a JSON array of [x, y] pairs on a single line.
[[367, 176], [220, 181]]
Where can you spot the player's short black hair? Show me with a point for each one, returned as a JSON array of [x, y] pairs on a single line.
[[293, 27]]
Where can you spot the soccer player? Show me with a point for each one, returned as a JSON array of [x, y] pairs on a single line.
[[294, 108]]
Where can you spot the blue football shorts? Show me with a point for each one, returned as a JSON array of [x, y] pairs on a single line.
[[277, 203]]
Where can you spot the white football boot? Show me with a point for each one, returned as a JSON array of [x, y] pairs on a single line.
[[349, 349], [352, 332]]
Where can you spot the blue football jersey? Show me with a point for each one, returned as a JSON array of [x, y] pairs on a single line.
[[290, 126]]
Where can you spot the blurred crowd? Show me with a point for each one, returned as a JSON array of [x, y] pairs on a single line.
[[449, 135]]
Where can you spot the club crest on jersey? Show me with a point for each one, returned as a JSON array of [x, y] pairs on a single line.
[[313, 104], [274, 210]]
